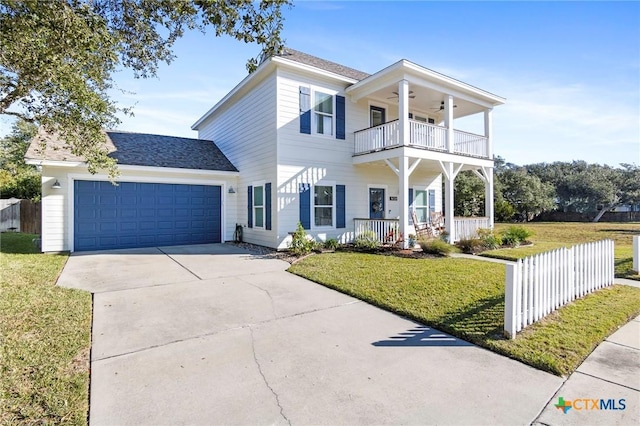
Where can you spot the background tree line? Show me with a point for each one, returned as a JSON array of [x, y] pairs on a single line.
[[524, 192]]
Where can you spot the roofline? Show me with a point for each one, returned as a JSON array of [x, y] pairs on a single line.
[[432, 75], [132, 167], [311, 68], [262, 69]]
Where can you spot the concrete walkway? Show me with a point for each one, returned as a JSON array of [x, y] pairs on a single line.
[[213, 335]]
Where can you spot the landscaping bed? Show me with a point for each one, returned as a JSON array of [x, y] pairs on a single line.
[[46, 338], [466, 299]]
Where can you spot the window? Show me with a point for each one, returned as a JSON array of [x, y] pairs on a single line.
[[323, 113], [420, 206], [258, 206], [323, 205]]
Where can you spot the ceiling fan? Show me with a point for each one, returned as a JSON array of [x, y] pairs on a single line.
[[441, 108], [397, 96]]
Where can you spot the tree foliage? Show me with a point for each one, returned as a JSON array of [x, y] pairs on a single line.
[[469, 195], [17, 179], [590, 188], [58, 57]]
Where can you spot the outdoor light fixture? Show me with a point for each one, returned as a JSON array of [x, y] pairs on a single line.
[[231, 190], [56, 185]]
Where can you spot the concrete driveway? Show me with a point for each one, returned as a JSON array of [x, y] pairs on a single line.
[[211, 334]]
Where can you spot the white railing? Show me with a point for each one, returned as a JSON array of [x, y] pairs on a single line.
[[427, 135], [384, 136], [636, 253], [422, 135], [387, 231], [469, 144], [467, 227], [540, 284]]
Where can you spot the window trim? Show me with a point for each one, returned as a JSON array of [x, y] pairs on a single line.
[[421, 206], [314, 113], [333, 205], [263, 206]]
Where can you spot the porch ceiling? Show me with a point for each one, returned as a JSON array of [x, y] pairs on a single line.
[[427, 100], [429, 88]]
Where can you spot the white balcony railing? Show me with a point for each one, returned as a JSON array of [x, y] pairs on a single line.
[[376, 138], [427, 135], [469, 144], [421, 135]]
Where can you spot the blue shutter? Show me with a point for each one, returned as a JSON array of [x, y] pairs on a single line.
[[340, 117], [305, 205], [250, 206], [305, 110], [267, 206], [432, 200], [341, 217], [410, 205]]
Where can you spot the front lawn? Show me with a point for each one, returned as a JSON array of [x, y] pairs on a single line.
[[45, 331], [552, 235], [466, 299]]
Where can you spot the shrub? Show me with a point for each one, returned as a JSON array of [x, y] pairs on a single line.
[[366, 241], [301, 243], [489, 239], [471, 245], [331, 244], [435, 246], [514, 235]]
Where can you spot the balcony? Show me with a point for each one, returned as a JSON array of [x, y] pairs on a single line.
[[421, 135]]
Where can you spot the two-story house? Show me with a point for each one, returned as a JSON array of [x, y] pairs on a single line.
[[302, 140]]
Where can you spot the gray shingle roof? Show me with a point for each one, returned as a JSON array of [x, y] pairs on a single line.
[[141, 149], [323, 64]]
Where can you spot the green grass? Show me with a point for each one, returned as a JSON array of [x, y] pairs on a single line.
[[552, 235], [466, 299], [44, 368]]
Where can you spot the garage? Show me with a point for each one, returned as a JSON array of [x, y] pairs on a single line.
[[134, 214]]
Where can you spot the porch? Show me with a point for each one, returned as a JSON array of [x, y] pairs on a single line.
[[387, 231], [421, 135]]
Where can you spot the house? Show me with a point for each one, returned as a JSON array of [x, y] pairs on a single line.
[[301, 139]]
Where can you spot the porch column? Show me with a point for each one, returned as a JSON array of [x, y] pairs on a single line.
[[448, 200], [488, 195], [403, 111], [403, 196], [488, 130], [448, 121]]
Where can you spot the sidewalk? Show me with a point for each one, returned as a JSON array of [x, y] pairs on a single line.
[[610, 373]]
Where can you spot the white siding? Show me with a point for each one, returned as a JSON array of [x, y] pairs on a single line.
[[313, 159], [57, 204], [245, 131]]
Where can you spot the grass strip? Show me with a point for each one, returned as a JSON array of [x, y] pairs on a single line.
[[466, 299], [45, 331]]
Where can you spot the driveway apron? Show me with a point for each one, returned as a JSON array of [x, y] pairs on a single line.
[[211, 334]]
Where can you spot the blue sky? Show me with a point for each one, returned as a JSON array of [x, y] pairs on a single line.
[[570, 70]]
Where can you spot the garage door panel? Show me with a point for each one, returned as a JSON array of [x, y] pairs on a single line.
[[145, 214]]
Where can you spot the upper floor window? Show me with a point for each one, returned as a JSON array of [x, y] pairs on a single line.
[[323, 113]]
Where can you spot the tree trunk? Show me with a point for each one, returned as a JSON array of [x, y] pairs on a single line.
[[603, 211]]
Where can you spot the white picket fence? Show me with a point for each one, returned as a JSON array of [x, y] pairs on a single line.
[[540, 284], [636, 253]]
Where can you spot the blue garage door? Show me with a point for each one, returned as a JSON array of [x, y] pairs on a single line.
[[144, 215]]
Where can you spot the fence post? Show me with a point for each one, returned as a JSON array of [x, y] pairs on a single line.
[[636, 253], [510, 305]]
